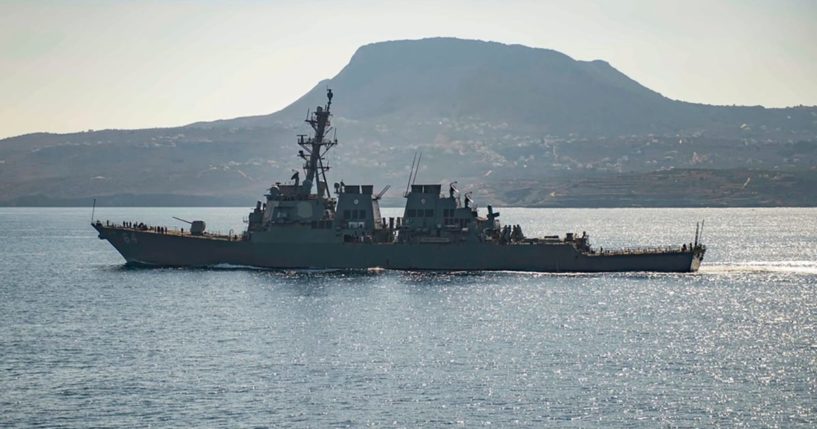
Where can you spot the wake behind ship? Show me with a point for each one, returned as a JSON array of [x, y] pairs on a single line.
[[302, 225]]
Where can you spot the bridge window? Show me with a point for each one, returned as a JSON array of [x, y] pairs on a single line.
[[411, 213], [429, 213]]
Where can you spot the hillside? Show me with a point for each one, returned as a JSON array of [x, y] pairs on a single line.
[[481, 112]]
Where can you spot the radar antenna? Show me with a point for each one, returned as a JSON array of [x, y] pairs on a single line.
[[417, 168], [315, 148], [411, 172]]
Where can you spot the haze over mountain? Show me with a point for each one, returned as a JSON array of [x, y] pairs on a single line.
[[518, 124]]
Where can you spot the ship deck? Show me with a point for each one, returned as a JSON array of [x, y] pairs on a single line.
[[639, 251], [162, 230]]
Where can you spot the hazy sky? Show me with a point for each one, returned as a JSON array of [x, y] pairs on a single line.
[[75, 65]]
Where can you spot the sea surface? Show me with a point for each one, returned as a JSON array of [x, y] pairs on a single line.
[[86, 341]]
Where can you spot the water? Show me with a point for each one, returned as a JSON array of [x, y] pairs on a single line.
[[87, 342]]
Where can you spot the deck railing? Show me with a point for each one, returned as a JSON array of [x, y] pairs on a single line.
[[162, 230]]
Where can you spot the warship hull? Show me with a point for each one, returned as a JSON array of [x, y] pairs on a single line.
[[178, 250]]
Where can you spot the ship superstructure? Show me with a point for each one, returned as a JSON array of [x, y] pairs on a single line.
[[308, 224]]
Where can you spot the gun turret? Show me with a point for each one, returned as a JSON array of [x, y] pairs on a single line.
[[197, 227]]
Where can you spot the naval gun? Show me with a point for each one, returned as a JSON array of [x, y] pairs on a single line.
[[197, 227]]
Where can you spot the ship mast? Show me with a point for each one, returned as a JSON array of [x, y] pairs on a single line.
[[315, 148]]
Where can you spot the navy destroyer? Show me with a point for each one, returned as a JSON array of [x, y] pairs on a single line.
[[309, 225]]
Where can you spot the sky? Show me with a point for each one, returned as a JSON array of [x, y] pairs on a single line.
[[77, 65]]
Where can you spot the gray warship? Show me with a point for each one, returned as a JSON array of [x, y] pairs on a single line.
[[302, 225]]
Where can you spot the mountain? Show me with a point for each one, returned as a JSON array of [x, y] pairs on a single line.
[[533, 90], [482, 112]]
